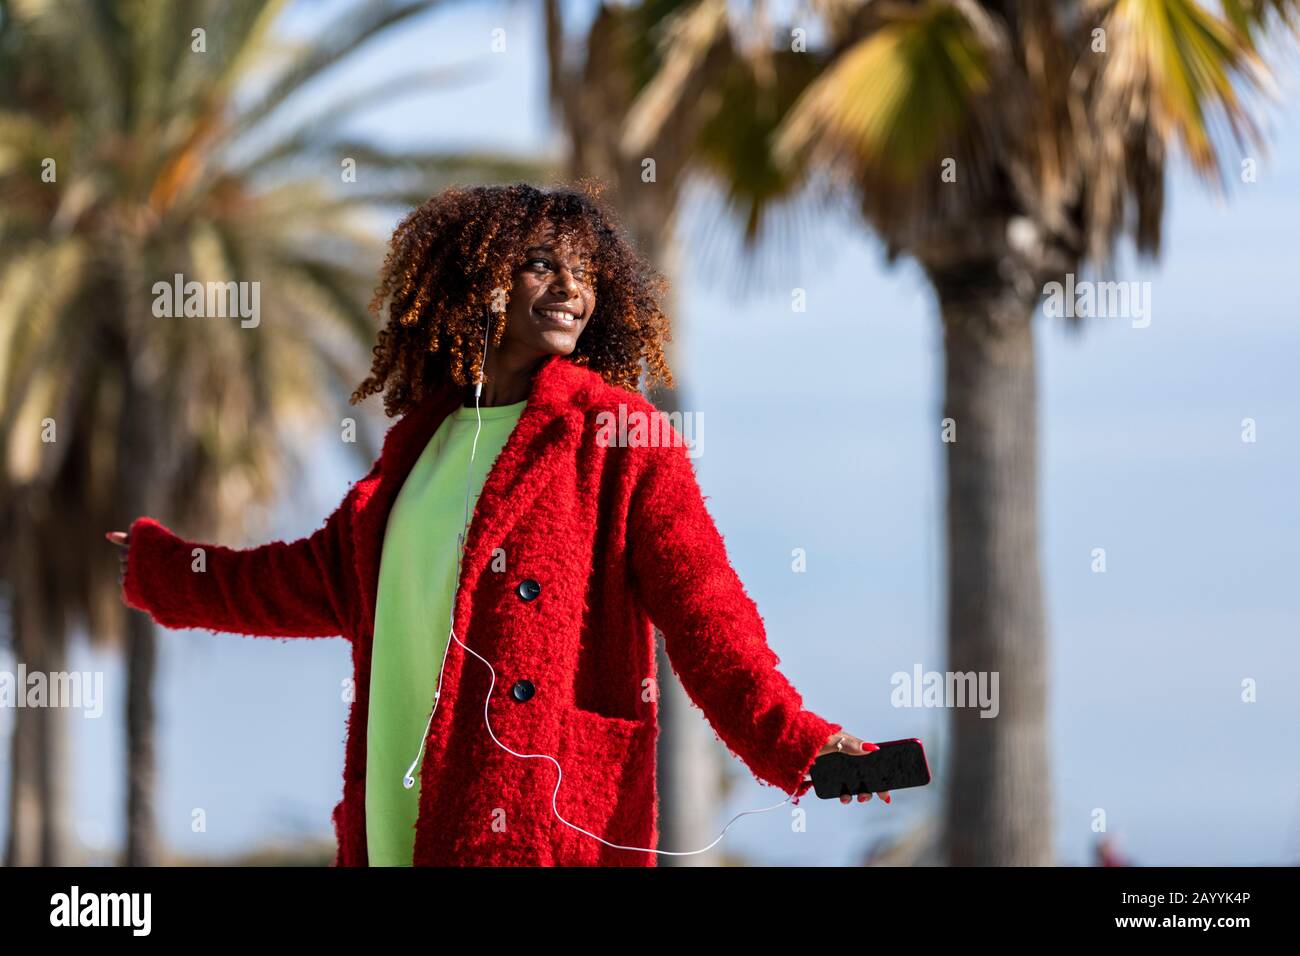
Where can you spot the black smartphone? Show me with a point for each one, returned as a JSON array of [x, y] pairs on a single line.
[[897, 765]]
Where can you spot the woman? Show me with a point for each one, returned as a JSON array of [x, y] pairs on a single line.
[[533, 621]]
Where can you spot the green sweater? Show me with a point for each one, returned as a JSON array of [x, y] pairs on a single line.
[[417, 578]]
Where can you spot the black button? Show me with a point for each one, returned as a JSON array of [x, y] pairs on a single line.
[[523, 690], [529, 589]]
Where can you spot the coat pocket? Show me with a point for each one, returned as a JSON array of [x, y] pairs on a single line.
[[603, 787]]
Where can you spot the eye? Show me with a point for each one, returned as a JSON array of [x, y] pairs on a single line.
[[546, 263]]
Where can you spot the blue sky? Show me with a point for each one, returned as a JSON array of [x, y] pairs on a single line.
[[822, 434]]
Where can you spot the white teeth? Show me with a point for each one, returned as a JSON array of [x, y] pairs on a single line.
[[556, 314]]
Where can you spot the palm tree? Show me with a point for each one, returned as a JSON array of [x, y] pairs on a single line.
[[139, 141], [1001, 145], [591, 98]]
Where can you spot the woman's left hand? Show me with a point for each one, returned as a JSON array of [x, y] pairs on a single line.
[[848, 744]]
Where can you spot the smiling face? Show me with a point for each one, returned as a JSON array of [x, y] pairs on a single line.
[[552, 300]]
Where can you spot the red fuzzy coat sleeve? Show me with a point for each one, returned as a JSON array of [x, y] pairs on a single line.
[[281, 589], [713, 633]]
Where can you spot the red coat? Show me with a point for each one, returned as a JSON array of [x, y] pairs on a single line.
[[615, 537]]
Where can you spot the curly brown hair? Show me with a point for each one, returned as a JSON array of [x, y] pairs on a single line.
[[451, 260]]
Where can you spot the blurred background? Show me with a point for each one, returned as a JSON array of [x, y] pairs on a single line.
[[860, 206]]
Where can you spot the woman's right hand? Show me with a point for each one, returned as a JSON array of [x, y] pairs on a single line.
[[123, 540]]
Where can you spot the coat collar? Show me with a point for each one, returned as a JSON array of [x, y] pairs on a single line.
[[559, 394]]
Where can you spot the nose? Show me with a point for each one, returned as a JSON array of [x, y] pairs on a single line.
[[565, 282]]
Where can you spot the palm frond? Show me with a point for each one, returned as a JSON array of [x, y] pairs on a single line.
[[1251, 18], [351, 29], [892, 101], [1178, 65], [311, 130], [689, 38]]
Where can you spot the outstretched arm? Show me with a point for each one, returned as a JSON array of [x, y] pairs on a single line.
[[281, 589], [713, 633]]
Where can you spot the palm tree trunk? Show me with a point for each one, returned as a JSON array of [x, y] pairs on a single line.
[[23, 847], [52, 764], [138, 439], [38, 772], [998, 798], [141, 828], [691, 783], [690, 780]]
